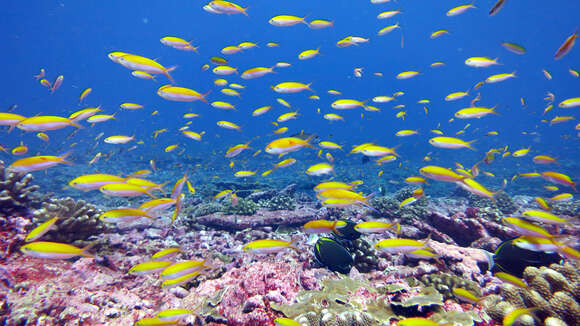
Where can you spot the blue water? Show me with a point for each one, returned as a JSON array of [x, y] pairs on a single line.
[[73, 38]]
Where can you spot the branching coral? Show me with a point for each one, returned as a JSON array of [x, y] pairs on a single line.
[[78, 220], [15, 190], [554, 290]]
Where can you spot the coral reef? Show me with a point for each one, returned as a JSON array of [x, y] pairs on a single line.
[[505, 203], [555, 290], [78, 220], [347, 301], [492, 209], [388, 207], [15, 191], [249, 291], [242, 207], [339, 302], [79, 293], [365, 256], [444, 283], [571, 208], [464, 230], [12, 233], [278, 202], [204, 209], [261, 218], [469, 263]]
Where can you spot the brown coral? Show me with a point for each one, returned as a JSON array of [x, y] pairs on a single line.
[[78, 220], [554, 290], [444, 283], [15, 190]]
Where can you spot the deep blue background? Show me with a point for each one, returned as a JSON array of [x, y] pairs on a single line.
[[73, 38]]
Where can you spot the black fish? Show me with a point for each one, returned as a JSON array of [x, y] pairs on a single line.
[[512, 259], [348, 232], [333, 255]]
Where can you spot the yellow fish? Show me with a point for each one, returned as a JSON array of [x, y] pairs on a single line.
[[54, 250], [37, 163], [45, 123], [135, 62], [268, 246]]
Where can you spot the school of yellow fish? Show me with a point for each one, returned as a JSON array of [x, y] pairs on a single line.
[[330, 192]]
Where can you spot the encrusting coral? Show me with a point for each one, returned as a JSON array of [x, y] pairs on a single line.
[[15, 190], [351, 302], [78, 220], [554, 290]]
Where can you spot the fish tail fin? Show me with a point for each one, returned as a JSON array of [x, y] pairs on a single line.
[[310, 89], [202, 97], [531, 312], [394, 150], [244, 11], [397, 227], [178, 206], [75, 124], [334, 229], [490, 261], [167, 71], [63, 157], [149, 192], [307, 141], [209, 266], [83, 251], [427, 239], [469, 145], [160, 187], [292, 242]]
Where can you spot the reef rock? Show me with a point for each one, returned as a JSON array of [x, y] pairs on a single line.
[[261, 218], [247, 292]]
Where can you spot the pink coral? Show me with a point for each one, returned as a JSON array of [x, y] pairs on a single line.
[[251, 288], [12, 233], [54, 291], [471, 212]]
